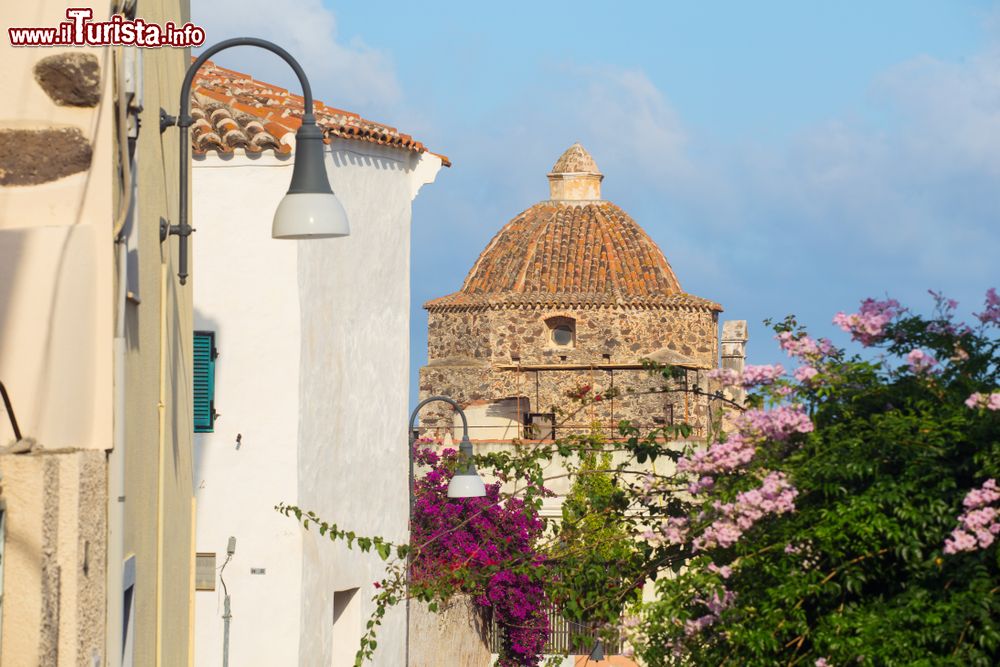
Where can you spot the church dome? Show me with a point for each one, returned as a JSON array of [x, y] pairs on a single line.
[[573, 250]]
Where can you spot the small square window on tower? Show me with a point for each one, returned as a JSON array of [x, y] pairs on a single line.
[[562, 331]]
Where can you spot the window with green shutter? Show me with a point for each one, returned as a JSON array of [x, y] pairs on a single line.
[[204, 381]]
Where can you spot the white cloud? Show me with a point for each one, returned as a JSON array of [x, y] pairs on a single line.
[[346, 75]]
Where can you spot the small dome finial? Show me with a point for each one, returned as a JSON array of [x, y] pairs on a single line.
[[575, 160], [575, 176]]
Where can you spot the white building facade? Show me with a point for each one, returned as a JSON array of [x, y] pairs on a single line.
[[310, 390]]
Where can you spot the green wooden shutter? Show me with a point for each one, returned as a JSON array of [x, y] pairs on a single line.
[[204, 381]]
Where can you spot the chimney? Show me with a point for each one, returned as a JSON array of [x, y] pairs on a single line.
[[734, 351]]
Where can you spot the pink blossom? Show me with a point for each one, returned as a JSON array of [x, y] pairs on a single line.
[[725, 571], [805, 373], [992, 313], [703, 484], [719, 603], [867, 326], [978, 524], [673, 530], [777, 424], [729, 377], [989, 401], [803, 347], [716, 605], [983, 496], [751, 376], [762, 375], [693, 627], [822, 662], [775, 495], [920, 362], [720, 457]]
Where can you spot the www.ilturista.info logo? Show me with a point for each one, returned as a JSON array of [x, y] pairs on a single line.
[[116, 31]]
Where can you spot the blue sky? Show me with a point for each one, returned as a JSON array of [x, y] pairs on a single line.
[[787, 156]]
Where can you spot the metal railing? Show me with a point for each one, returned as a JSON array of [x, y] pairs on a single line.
[[565, 636]]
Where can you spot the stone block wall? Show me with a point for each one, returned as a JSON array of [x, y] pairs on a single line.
[[502, 335], [498, 353], [645, 399]]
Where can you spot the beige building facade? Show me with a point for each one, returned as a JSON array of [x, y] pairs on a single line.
[[95, 353]]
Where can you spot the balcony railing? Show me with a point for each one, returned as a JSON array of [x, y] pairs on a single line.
[[565, 636]]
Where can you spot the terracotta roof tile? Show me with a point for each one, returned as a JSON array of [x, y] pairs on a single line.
[[572, 254], [264, 116]]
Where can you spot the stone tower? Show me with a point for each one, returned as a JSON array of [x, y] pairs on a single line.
[[570, 293]]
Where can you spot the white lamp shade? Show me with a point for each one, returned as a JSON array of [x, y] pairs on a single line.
[[310, 215], [466, 486]]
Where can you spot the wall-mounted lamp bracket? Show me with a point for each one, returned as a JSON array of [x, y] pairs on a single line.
[[166, 120], [166, 230]]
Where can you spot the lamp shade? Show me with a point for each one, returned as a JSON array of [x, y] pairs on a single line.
[[466, 485], [310, 215], [310, 210]]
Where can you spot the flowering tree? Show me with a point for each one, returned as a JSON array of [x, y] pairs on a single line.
[[851, 515], [484, 547], [846, 514]]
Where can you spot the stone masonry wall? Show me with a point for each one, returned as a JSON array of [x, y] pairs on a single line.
[[473, 358], [624, 334], [640, 400]]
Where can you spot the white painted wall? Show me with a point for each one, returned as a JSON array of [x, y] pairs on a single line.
[[353, 465], [245, 289], [313, 372]]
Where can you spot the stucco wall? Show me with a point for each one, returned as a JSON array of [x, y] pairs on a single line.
[[449, 636], [312, 373], [56, 273], [158, 498], [246, 291], [353, 470]]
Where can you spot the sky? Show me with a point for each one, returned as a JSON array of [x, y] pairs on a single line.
[[787, 156]]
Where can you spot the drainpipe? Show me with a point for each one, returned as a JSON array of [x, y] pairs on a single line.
[[116, 486], [125, 84]]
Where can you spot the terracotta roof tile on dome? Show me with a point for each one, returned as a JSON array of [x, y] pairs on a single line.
[[575, 250], [232, 110], [565, 254]]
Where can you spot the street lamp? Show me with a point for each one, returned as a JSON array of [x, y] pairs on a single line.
[[466, 482], [310, 210]]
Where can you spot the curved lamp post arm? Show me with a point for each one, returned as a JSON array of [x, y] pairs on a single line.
[[451, 402], [308, 130], [184, 120], [466, 482]]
